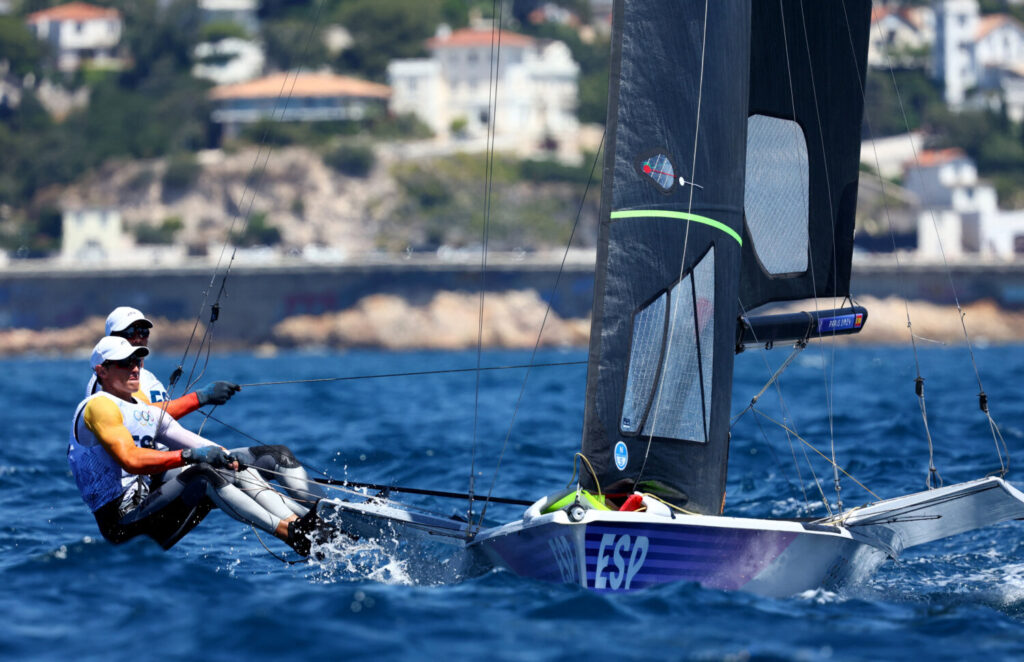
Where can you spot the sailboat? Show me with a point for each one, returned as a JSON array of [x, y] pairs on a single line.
[[730, 182]]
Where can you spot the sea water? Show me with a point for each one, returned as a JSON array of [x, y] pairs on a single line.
[[223, 593]]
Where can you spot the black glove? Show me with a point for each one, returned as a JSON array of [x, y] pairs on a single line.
[[215, 456], [217, 393]]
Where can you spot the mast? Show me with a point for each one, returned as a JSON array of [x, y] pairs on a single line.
[[669, 250]]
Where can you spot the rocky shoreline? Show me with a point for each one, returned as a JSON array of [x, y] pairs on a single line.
[[450, 321]]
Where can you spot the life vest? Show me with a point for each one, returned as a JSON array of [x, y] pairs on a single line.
[[99, 477]]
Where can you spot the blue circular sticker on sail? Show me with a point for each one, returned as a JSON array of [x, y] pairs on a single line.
[[621, 455]]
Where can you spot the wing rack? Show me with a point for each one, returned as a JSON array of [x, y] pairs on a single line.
[[766, 330]]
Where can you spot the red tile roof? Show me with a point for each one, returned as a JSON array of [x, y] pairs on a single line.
[[878, 13], [906, 15], [73, 11], [930, 158], [301, 85], [468, 37], [993, 22]]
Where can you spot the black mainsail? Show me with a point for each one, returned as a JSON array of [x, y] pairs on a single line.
[[714, 193]]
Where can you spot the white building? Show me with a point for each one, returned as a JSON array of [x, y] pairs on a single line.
[[960, 216], [228, 61], [297, 97], [96, 235], [900, 36], [890, 155], [78, 32], [977, 56], [534, 97], [92, 235]]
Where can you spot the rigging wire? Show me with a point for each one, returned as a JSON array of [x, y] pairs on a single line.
[[826, 374], [811, 446], [792, 450], [582, 460], [775, 380], [449, 371], [997, 436], [327, 480], [682, 261], [540, 332], [933, 473], [492, 108], [207, 337]]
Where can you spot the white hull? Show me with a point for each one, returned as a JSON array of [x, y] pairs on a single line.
[[621, 551], [614, 551]]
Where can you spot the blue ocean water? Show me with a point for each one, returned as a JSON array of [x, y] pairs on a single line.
[[219, 595]]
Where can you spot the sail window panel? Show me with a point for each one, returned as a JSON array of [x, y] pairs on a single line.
[[682, 405], [776, 194], [644, 358]]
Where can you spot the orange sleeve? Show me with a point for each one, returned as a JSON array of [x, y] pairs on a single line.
[[178, 407], [103, 418]]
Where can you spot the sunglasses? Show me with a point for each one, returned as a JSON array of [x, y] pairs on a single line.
[[132, 332], [129, 362]]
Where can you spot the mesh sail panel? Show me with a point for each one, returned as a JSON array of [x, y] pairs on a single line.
[[682, 404], [644, 358], [775, 194]]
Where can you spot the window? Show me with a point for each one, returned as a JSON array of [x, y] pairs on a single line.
[[668, 387], [776, 193], [644, 358]]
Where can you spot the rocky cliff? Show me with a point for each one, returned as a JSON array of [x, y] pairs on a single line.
[[410, 198], [308, 202], [511, 320]]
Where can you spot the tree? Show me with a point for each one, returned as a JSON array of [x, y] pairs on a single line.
[[166, 112], [383, 30], [217, 30], [352, 159], [154, 34], [257, 232], [182, 172], [883, 110], [159, 234], [19, 46], [293, 44]]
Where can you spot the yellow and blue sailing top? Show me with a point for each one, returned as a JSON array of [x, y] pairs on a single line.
[[99, 477]]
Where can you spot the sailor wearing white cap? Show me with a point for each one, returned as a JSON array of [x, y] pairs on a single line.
[[129, 323], [113, 455]]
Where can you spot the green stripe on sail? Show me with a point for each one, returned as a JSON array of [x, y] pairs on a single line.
[[678, 215]]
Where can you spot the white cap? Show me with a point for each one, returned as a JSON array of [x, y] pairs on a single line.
[[114, 348], [122, 317]]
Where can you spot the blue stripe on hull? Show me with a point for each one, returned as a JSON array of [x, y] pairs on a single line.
[[623, 556]]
